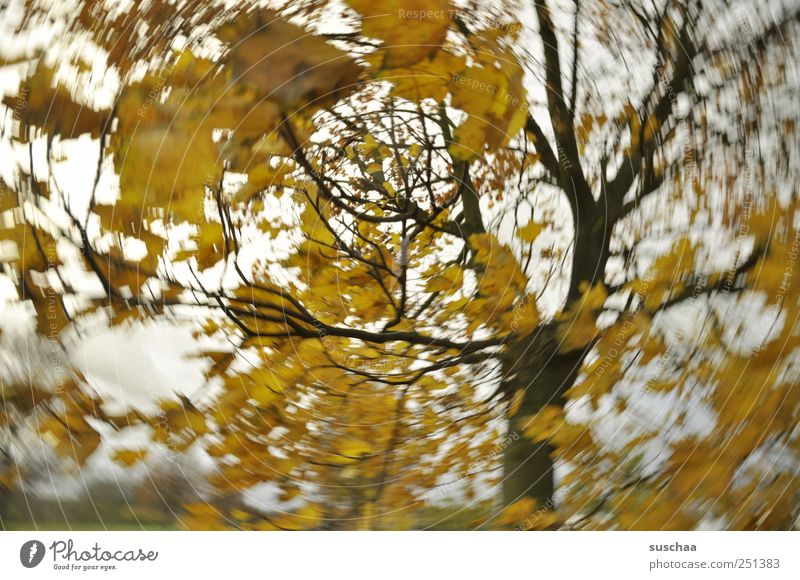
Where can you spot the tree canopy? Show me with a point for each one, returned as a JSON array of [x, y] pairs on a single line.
[[541, 254]]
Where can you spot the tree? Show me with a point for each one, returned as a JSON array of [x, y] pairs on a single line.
[[426, 250]]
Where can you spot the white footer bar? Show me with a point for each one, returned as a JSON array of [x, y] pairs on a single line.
[[401, 555]]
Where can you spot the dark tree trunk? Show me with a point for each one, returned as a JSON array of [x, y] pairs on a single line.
[[592, 239], [534, 366]]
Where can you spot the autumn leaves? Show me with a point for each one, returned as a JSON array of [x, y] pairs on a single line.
[[483, 78], [331, 207]]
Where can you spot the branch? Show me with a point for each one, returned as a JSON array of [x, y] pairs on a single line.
[[546, 154], [473, 221], [575, 53], [725, 283], [656, 111], [572, 178]]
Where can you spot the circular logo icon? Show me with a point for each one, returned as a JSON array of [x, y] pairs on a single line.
[[31, 553]]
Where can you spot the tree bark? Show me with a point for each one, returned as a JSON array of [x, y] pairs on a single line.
[[543, 375], [534, 366]]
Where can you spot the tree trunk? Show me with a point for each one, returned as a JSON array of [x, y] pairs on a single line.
[[592, 240], [534, 366]]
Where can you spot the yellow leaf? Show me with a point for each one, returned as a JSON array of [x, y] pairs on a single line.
[[544, 424], [129, 456], [516, 513], [411, 30], [285, 64], [449, 281], [516, 402], [352, 449], [427, 79], [529, 232], [45, 103]]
